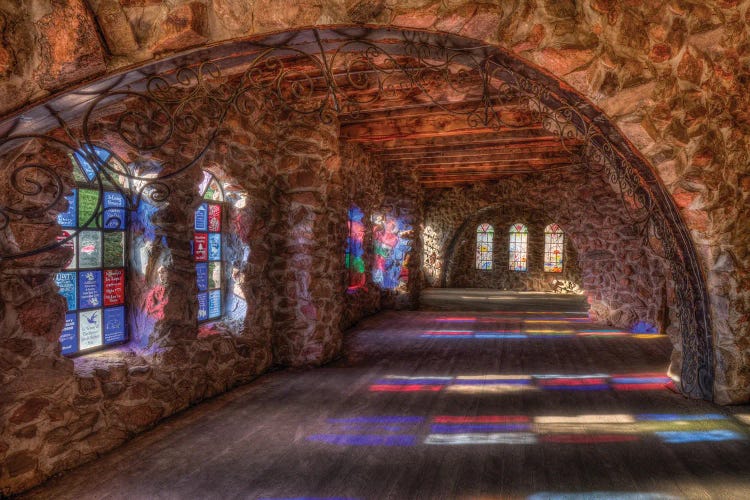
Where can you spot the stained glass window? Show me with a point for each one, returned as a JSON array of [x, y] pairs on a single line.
[[391, 246], [554, 240], [207, 249], [93, 284], [519, 238], [355, 248], [485, 232]]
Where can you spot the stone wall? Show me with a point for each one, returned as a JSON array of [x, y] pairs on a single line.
[[307, 262], [287, 189], [60, 412], [671, 74], [462, 272], [364, 187], [623, 279]]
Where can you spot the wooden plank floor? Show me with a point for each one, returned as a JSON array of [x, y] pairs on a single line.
[[444, 404]]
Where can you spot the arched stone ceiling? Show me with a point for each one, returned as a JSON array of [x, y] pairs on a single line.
[[672, 74]]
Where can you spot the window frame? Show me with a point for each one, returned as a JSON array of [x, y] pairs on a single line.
[[485, 233], [549, 248], [209, 179], [92, 178], [518, 236]]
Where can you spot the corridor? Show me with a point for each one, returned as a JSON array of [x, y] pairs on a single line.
[[445, 404]]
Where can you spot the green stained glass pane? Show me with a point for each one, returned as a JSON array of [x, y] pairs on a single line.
[[88, 200], [213, 191], [214, 275], [114, 249]]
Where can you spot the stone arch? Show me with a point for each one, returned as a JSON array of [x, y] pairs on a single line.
[[341, 55]]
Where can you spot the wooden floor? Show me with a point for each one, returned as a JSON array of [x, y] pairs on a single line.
[[445, 404]]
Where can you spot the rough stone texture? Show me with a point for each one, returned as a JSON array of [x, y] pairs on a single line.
[[625, 282], [672, 75], [306, 266], [364, 185], [59, 412], [70, 49], [184, 27]]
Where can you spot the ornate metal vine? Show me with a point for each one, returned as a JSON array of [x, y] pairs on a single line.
[[163, 123]]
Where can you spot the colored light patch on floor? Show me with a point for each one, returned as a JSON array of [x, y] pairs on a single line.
[[499, 384], [405, 388], [492, 379], [486, 428], [485, 419], [677, 437], [364, 439], [635, 382], [377, 420], [574, 384], [512, 438], [667, 417], [531, 333], [522, 429]]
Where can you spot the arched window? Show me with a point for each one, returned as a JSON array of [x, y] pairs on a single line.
[[93, 284], [355, 250], [207, 249], [391, 246], [554, 240], [485, 233], [519, 238]]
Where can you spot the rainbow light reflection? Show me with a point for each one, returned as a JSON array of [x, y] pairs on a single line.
[[502, 383], [526, 430]]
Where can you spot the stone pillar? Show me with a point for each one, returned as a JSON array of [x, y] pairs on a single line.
[[308, 243], [33, 374]]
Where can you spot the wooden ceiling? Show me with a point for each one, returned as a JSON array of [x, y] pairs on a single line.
[[408, 130]]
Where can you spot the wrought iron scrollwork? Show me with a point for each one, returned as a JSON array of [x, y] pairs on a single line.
[[165, 123]]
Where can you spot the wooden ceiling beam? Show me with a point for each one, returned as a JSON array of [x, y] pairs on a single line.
[[506, 161], [498, 152], [487, 137], [429, 125]]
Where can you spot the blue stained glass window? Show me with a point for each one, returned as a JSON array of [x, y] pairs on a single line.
[[114, 324], [89, 289], [93, 284], [114, 210], [201, 271], [69, 217], [207, 249], [203, 306], [485, 234], [69, 336]]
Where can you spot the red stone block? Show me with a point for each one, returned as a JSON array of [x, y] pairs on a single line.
[[661, 52], [69, 46], [186, 26], [28, 411]]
